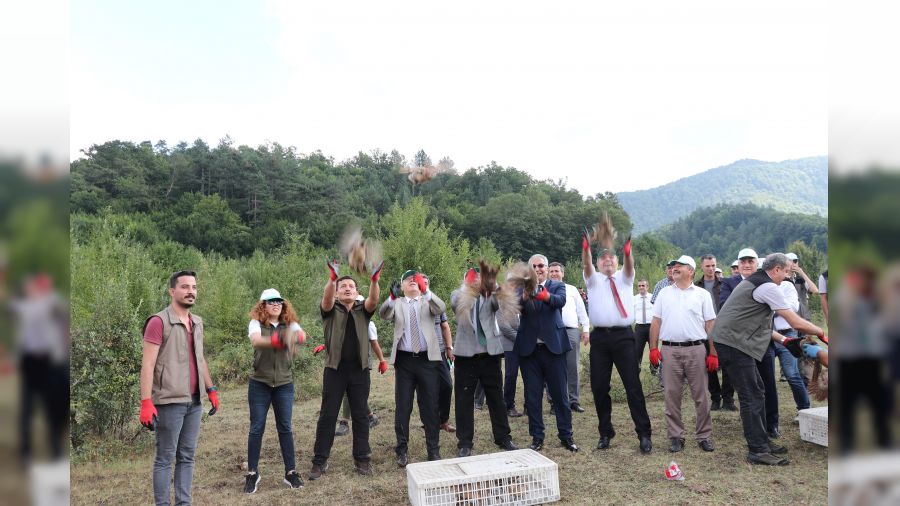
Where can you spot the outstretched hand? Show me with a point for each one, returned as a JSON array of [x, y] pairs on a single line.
[[334, 270]]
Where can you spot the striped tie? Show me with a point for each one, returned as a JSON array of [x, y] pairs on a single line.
[[414, 328]]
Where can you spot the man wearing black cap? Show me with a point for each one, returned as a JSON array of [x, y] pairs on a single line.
[[610, 291], [416, 356]]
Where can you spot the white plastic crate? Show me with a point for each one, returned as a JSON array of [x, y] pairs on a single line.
[[814, 425], [516, 477]]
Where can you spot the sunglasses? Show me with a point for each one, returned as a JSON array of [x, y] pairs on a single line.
[[538, 266], [274, 302]]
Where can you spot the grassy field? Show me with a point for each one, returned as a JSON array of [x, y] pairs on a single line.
[[620, 475]]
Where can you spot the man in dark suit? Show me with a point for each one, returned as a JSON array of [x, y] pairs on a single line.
[[721, 395], [542, 344]]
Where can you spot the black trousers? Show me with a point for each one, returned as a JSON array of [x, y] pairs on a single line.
[[469, 371], [717, 393], [416, 376], [641, 338], [40, 377], [616, 347], [354, 381], [862, 378], [767, 373], [445, 390], [744, 374], [511, 375]]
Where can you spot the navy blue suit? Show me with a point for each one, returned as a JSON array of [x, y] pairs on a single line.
[[545, 362], [728, 286]]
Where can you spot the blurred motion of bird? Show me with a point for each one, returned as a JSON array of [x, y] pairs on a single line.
[[603, 233], [362, 254], [423, 174]]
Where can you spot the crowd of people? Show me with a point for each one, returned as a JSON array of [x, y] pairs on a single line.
[[695, 327]]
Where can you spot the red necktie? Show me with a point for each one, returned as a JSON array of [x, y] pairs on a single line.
[[612, 284]]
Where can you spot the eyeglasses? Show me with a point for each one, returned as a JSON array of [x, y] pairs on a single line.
[[538, 266], [276, 302]]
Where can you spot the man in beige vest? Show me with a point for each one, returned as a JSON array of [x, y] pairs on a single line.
[[173, 373]]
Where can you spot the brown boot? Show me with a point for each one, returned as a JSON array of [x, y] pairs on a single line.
[[317, 471], [363, 468]]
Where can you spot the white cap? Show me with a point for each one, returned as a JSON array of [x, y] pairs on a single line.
[[269, 294], [747, 252], [735, 263], [686, 260], [718, 270], [792, 256], [762, 263]]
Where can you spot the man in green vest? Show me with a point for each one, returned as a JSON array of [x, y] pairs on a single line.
[[173, 373], [742, 333], [346, 326]]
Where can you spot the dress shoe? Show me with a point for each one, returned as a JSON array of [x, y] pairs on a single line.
[[577, 408], [729, 406], [569, 444], [774, 433], [677, 445], [317, 471], [513, 413], [435, 455], [766, 459], [715, 405], [402, 459], [464, 452], [603, 444], [536, 444], [706, 445], [776, 449], [646, 445], [363, 468], [447, 426], [508, 446]]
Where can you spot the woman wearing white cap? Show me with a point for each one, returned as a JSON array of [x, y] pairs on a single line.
[[274, 332]]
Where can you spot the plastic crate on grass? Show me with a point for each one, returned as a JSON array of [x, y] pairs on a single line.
[[516, 477], [814, 425]]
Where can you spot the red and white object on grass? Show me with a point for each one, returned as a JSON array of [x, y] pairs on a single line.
[[673, 472]]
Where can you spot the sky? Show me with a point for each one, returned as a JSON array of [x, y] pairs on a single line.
[[602, 97]]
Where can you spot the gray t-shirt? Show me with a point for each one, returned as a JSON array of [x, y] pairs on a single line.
[[708, 285]]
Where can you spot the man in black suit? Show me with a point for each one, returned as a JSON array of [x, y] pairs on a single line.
[[542, 344]]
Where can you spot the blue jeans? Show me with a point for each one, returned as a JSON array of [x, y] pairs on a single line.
[[792, 372], [260, 396], [177, 428]]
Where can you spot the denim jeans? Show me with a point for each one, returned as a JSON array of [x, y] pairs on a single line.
[[177, 428], [260, 396], [792, 372]]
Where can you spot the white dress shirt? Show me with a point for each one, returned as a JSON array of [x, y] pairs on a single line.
[[573, 313], [640, 301], [602, 310], [683, 313], [793, 300]]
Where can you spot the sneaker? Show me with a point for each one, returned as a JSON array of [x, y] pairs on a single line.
[[342, 429], [251, 482], [292, 479], [373, 419]]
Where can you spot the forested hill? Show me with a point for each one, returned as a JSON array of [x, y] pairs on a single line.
[[799, 186], [725, 229], [237, 199]]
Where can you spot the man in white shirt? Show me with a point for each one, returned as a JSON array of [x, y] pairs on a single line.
[[683, 316], [643, 316], [575, 319], [611, 296]]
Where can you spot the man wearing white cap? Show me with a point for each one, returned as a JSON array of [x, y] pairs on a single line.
[[735, 268], [683, 316]]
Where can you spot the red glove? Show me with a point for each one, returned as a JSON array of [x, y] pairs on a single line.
[[382, 366], [376, 272], [277, 343], [541, 294], [712, 363], [213, 394], [420, 280], [471, 275], [655, 356], [148, 414], [318, 349], [824, 338], [332, 269], [627, 248]]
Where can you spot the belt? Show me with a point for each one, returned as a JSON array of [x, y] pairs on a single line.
[[481, 355], [684, 343], [784, 330], [610, 329], [414, 355], [642, 324]]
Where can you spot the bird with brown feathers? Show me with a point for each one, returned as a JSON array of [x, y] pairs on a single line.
[[425, 173], [487, 285], [362, 254], [603, 233]]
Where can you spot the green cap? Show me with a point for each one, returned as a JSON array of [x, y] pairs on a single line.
[[407, 274], [671, 263]]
